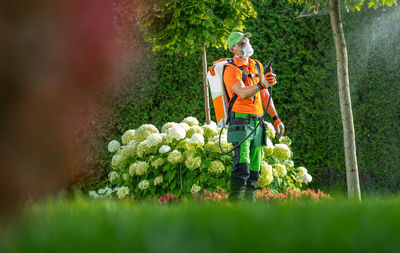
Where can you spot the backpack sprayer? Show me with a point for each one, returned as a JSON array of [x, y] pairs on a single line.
[[220, 101]]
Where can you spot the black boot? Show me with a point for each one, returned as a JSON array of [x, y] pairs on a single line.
[[251, 186], [239, 175]]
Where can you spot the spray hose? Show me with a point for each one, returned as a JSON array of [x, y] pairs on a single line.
[[269, 99]]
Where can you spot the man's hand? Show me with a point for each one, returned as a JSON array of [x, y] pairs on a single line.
[[268, 79], [279, 127]]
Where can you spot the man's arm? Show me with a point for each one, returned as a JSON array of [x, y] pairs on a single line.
[[279, 127], [264, 99], [244, 92]]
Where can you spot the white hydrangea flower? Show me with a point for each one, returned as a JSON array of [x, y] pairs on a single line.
[[226, 146], [197, 139], [166, 139], [158, 180], [193, 163], [125, 176], [209, 146], [144, 184], [213, 123], [289, 164], [176, 132], [168, 125], [93, 194], [142, 149], [164, 149], [282, 152], [285, 140], [303, 176], [106, 191], [191, 121], [175, 157], [113, 175], [195, 188], [185, 144], [132, 170], [271, 132], [216, 167], [306, 178], [280, 170], [141, 167], [102, 191], [210, 130], [138, 168], [144, 131], [184, 126], [122, 192], [128, 136], [213, 145], [224, 131], [302, 170], [113, 146], [189, 153], [269, 149], [194, 130], [158, 162], [274, 172], [153, 140], [299, 177], [130, 150], [266, 176], [116, 160]]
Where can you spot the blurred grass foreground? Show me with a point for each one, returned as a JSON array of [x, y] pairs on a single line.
[[83, 225]]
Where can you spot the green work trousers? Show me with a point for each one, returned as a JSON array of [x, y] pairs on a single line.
[[247, 158]]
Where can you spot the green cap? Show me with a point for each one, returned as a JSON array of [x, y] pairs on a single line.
[[236, 37]]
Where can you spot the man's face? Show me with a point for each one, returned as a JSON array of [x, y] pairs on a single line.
[[237, 48]]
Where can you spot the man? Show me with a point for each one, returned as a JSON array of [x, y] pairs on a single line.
[[248, 94]]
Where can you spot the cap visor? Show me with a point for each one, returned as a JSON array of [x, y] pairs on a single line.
[[248, 35]]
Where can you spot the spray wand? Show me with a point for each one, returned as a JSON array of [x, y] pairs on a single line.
[[268, 67]]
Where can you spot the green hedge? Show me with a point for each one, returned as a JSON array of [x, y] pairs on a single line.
[[158, 88]]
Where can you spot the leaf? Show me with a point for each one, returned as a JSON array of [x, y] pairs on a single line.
[[170, 176], [207, 163], [370, 4], [167, 167]]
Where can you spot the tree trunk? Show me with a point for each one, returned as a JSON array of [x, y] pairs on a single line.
[[205, 87], [353, 185]]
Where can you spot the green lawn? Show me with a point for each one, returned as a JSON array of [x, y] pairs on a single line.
[[121, 226]]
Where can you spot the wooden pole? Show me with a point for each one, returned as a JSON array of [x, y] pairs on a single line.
[[205, 86]]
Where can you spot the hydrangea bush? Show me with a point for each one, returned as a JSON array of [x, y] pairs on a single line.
[[185, 158]]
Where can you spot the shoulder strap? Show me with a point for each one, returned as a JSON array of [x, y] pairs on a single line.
[[258, 69], [234, 97]]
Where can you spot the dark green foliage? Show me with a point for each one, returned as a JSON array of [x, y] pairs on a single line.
[[165, 88]]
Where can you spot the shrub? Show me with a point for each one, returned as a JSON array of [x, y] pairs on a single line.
[[185, 158]]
